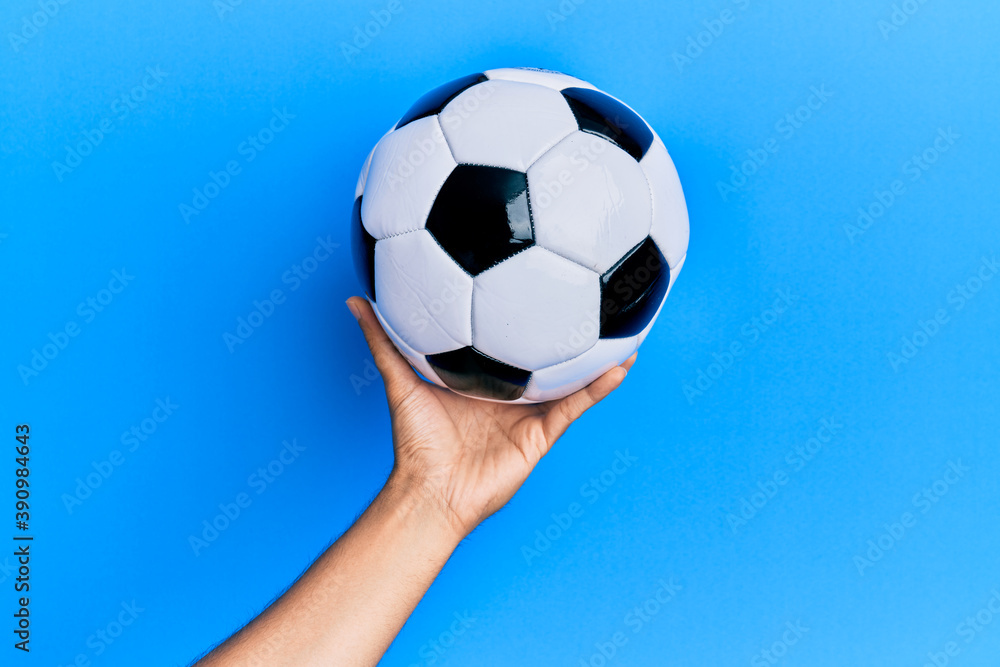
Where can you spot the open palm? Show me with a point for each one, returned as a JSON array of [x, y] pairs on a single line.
[[470, 455]]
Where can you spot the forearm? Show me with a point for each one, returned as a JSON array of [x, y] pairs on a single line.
[[350, 604]]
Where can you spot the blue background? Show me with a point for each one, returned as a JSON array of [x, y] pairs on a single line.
[[302, 374]]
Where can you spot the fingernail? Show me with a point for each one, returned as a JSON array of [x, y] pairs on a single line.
[[354, 310]]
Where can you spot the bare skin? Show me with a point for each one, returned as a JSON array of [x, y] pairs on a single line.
[[457, 461]]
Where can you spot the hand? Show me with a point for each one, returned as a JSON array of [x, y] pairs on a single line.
[[467, 456], [458, 460]]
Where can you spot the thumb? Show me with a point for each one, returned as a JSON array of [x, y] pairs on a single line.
[[397, 374]]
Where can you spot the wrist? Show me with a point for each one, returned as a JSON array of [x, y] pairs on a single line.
[[416, 502]]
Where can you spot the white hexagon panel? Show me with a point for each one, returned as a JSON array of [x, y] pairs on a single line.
[[424, 295], [408, 167], [589, 201], [535, 309], [505, 124]]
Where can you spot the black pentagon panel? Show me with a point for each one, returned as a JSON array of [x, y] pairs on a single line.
[[471, 372], [481, 216], [632, 290], [363, 249], [603, 115], [432, 103]]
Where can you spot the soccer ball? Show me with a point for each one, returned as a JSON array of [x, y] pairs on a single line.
[[517, 233]]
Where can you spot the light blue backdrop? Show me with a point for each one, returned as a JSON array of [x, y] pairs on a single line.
[[729, 533]]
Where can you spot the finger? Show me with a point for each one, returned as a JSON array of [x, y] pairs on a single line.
[[627, 364], [397, 374], [565, 412]]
